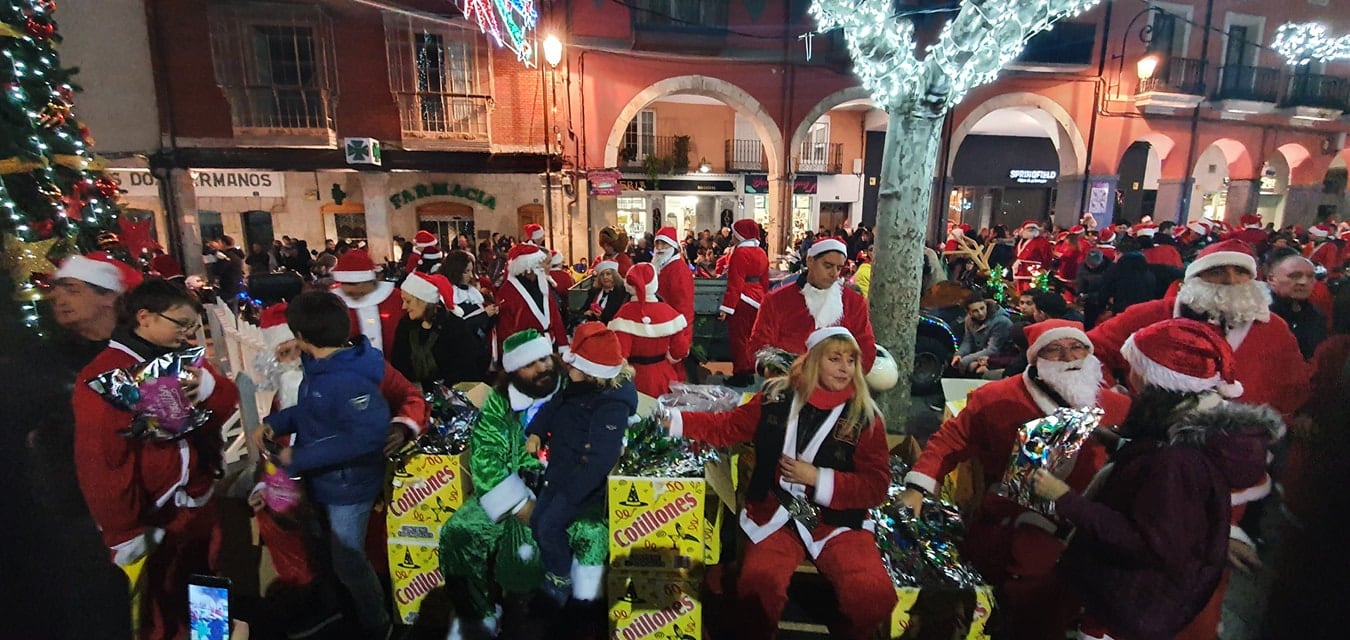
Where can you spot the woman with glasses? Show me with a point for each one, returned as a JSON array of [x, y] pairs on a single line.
[[152, 498]]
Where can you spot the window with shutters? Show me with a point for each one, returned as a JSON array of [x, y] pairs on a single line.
[[275, 64], [441, 77]]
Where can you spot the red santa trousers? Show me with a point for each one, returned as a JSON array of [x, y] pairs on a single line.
[[191, 543], [739, 327], [654, 379], [852, 564], [1019, 560], [290, 550]]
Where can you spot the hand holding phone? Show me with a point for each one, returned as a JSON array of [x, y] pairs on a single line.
[[208, 608]]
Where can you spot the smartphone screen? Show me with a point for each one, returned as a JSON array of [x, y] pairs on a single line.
[[209, 608]]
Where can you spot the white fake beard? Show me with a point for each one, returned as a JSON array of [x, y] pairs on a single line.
[[826, 306], [1230, 304], [662, 257], [288, 384], [1078, 382]]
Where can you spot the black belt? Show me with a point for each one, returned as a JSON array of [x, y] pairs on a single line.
[[754, 279], [646, 359], [801, 509]]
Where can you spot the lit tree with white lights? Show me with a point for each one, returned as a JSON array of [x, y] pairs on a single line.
[[917, 93]]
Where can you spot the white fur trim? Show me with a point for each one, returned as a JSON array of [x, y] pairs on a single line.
[[670, 241], [929, 483], [535, 261], [587, 581], [1058, 333], [542, 314], [1252, 493], [829, 301], [205, 386], [676, 428], [595, 369], [134, 549], [825, 246], [275, 335], [1221, 259], [507, 495], [824, 486], [418, 287], [820, 335], [727, 310], [537, 235], [1033, 519], [95, 272], [352, 277], [525, 551], [750, 301], [411, 424], [649, 330], [524, 354], [1043, 401], [1159, 375], [1236, 533], [381, 293], [604, 265]]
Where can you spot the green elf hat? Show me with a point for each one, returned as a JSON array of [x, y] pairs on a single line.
[[524, 347]]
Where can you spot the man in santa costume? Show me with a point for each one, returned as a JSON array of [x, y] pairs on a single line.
[[375, 306], [675, 281], [560, 277], [1013, 548], [525, 300], [1070, 253], [533, 234], [1106, 243], [1325, 249], [426, 254], [1034, 254], [818, 299], [652, 335], [747, 282], [1156, 252], [1251, 233]]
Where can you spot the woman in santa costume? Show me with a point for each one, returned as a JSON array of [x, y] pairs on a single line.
[[152, 499], [651, 333], [832, 468], [374, 306], [675, 280], [524, 301], [432, 343], [614, 247], [747, 284], [1034, 254]]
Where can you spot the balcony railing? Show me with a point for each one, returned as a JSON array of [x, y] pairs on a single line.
[[279, 107], [1176, 75], [820, 158], [447, 116], [1241, 82], [745, 155], [636, 150], [1317, 91]]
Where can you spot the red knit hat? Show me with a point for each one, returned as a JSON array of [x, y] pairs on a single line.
[[1183, 355], [1043, 333], [275, 331], [1232, 252], [1250, 220], [100, 269], [667, 235], [595, 351], [533, 233], [354, 266], [431, 288], [745, 229], [525, 257], [641, 282]]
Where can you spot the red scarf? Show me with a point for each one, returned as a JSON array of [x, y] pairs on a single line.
[[823, 398]]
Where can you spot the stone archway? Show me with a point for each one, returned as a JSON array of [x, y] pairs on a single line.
[[823, 107]]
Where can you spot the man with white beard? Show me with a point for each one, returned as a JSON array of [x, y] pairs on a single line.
[[674, 279], [817, 300], [1013, 548]]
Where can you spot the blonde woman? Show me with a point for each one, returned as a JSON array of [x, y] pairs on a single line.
[[813, 498]]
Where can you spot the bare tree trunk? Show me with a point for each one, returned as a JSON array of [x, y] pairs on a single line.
[[907, 165]]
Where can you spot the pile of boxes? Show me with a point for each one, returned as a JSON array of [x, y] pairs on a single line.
[[426, 489]]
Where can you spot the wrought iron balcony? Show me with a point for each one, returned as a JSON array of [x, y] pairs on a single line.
[[820, 158], [745, 155], [635, 150], [1317, 92], [1178, 76], [445, 116], [1253, 84]]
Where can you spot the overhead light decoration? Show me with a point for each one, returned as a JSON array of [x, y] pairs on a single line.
[[1300, 43], [508, 22], [970, 51]]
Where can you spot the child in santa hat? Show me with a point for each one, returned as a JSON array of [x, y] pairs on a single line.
[[583, 426], [652, 333]]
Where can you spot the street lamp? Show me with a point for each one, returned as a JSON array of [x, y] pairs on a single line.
[[552, 50], [1146, 66], [553, 53]]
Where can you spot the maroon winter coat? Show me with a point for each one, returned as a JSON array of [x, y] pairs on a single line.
[[1152, 541]]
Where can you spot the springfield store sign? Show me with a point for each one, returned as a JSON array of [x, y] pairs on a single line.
[[208, 183]]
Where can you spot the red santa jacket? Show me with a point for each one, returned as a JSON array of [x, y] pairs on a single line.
[[1070, 256], [1329, 255], [1108, 251], [861, 488], [625, 262], [561, 282], [517, 311], [1037, 251], [987, 430], [1254, 236], [1269, 364], [653, 338], [675, 287], [376, 315], [784, 321], [1163, 254], [132, 484], [747, 277]]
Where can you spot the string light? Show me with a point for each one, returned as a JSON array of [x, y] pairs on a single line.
[[508, 22], [1300, 43]]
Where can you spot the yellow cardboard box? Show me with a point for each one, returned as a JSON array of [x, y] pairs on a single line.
[[654, 606], [661, 524], [424, 493], [901, 620], [414, 569]]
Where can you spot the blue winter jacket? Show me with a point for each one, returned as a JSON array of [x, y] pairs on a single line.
[[340, 422], [584, 428]]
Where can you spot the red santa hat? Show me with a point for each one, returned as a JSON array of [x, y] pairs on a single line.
[[824, 333], [354, 266], [424, 239], [524, 258], [1106, 235], [1250, 220], [1043, 333], [534, 232], [641, 282], [595, 351], [275, 330], [1320, 231], [431, 288], [1198, 227], [745, 229], [1183, 355], [1076, 230], [1030, 226], [100, 269], [1232, 252], [606, 265], [825, 246], [555, 259], [1144, 230], [667, 235]]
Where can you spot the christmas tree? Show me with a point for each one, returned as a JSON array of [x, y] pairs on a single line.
[[54, 196]]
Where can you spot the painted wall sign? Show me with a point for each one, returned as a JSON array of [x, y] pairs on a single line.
[[672, 184], [1032, 176], [434, 189], [604, 183], [135, 182], [231, 183]]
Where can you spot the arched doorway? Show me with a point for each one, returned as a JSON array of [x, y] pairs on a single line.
[[1223, 186], [447, 220], [1137, 191], [840, 141], [1334, 191], [344, 222]]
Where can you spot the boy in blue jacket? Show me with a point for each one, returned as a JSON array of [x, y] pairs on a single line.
[[584, 425], [340, 422]]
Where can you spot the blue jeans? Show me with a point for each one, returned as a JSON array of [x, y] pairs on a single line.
[[347, 530]]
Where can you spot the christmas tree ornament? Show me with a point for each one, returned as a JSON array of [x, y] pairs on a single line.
[[25, 259], [39, 29]]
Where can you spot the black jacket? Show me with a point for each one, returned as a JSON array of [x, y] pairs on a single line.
[[1308, 324], [459, 354], [616, 298], [1128, 282]]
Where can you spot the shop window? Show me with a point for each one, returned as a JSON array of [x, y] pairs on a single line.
[[801, 215], [257, 227], [441, 78], [760, 207], [633, 216], [211, 226], [700, 13], [275, 64], [447, 221]]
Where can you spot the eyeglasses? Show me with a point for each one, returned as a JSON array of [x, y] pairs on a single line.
[[185, 326], [1058, 352]]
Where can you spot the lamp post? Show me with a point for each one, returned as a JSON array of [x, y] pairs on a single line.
[[1147, 65], [552, 55]]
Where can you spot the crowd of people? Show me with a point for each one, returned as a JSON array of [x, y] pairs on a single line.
[[1200, 370]]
